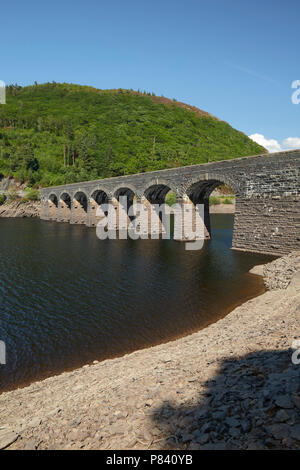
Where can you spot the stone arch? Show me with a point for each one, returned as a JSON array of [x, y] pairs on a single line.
[[211, 181], [81, 198], [53, 199], [157, 189], [79, 208], [156, 193], [153, 197], [199, 190], [64, 207], [52, 206], [126, 191], [98, 197], [65, 196]]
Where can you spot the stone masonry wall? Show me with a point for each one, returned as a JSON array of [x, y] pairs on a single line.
[[267, 225]]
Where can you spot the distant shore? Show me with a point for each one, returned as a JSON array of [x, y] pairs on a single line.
[[222, 208], [232, 385]]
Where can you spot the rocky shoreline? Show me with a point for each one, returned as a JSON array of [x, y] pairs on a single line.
[[232, 385], [18, 208]]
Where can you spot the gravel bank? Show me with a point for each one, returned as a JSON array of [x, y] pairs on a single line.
[[232, 385]]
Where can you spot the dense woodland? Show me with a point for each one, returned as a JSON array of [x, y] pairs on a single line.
[[54, 133]]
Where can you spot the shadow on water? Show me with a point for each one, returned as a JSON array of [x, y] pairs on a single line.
[[249, 404], [68, 298]]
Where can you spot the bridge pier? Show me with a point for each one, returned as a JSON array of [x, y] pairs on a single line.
[[190, 221], [121, 221], [186, 219], [52, 208], [184, 212], [97, 198], [64, 209], [92, 218], [153, 226], [79, 209]]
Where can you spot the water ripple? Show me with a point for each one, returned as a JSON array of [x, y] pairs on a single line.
[[67, 298]]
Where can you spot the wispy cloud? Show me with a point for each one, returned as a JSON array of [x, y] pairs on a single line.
[[291, 143], [252, 73]]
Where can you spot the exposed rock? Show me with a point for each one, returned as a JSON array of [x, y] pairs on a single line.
[[295, 432], [279, 431], [258, 270], [17, 208], [296, 401], [281, 416], [284, 401], [278, 274]]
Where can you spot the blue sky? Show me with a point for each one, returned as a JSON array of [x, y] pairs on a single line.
[[232, 58]]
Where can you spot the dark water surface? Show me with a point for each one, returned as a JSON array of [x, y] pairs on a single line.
[[67, 298]]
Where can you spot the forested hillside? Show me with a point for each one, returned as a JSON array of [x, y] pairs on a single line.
[[54, 133]]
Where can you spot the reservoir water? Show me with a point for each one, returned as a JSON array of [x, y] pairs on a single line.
[[67, 298]]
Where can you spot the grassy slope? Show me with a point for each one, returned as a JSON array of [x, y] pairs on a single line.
[[56, 133]]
